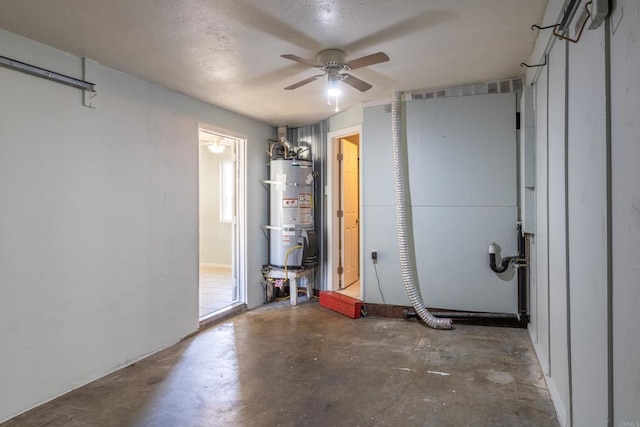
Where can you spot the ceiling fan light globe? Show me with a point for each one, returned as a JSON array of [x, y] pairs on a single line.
[[334, 92], [216, 148]]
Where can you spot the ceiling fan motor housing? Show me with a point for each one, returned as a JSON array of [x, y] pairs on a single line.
[[331, 59]]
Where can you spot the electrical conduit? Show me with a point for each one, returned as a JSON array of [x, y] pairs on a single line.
[[401, 186]]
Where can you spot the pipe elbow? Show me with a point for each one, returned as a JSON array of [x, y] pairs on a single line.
[[499, 268]]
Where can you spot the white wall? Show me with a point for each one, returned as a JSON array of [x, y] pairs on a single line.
[[99, 223], [346, 118], [587, 256], [215, 236]]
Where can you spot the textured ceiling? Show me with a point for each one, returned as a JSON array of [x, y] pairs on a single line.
[[227, 52]]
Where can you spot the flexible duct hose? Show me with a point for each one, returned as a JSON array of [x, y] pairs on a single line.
[[401, 179]]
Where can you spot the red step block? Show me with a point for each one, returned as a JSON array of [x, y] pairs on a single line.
[[350, 307]]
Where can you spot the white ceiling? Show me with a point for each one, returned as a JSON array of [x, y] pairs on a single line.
[[227, 52]]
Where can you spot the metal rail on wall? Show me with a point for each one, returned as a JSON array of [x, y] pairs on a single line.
[[43, 73]]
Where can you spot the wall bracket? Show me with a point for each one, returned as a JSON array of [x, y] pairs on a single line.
[[562, 27], [523, 64]]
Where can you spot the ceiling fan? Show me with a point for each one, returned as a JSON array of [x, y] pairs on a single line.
[[332, 62]]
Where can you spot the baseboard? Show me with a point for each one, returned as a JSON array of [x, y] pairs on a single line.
[[397, 311], [213, 264], [561, 412]]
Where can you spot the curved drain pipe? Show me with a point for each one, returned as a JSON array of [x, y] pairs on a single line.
[[401, 179], [492, 260]]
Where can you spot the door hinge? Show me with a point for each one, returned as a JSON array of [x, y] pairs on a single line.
[[340, 270], [340, 157], [340, 214]]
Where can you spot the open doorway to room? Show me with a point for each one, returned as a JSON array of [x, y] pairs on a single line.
[[344, 212], [221, 207]]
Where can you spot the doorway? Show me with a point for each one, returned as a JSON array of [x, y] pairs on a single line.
[[344, 208], [221, 198]]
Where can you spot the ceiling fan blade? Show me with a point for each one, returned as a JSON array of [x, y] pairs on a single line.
[[303, 82], [375, 58], [305, 61], [355, 82]]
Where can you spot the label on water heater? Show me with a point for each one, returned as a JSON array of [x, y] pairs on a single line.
[[289, 203], [304, 199], [290, 211], [304, 210], [309, 178], [305, 215]]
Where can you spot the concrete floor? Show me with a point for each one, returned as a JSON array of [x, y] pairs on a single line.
[[308, 366]]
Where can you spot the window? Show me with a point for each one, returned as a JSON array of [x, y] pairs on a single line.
[[227, 190]]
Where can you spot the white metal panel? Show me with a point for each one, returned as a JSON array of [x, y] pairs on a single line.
[[587, 213], [379, 233], [533, 296], [541, 289], [558, 347], [625, 193], [463, 189], [451, 255], [527, 160], [453, 260], [377, 172], [462, 150]]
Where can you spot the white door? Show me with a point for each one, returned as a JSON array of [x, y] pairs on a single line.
[[351, 214], [221, 232]]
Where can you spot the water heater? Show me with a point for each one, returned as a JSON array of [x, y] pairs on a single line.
[[291, 213]]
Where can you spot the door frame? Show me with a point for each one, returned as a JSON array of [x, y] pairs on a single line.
[[332, 195], [239, 232]]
